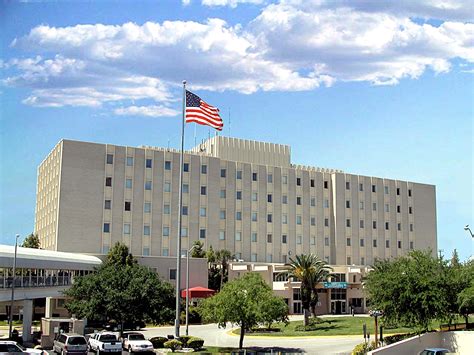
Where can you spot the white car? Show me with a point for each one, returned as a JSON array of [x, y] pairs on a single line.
[[10, 346], [136, 342]]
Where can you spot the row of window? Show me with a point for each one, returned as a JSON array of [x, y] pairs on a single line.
[[374, 243], [374, 207], [374, 225], [374, 188]]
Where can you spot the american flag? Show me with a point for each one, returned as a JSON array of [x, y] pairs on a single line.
[[202, 113]]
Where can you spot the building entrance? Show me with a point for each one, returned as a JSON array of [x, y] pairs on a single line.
[[338, 307]]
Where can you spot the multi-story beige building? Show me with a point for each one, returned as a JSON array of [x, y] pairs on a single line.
[[241, 195]]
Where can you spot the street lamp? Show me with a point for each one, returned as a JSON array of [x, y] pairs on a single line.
[[466, 228], [187, 287], [13, 287]]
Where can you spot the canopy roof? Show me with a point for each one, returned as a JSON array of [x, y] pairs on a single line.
[[198, 292]]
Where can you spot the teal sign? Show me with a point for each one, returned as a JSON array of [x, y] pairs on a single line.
[[335, 284]]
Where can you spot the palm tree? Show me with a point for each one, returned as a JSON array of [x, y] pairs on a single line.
[[223, 256], [309, 270]]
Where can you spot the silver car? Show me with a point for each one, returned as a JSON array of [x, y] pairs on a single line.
[[70, 344]]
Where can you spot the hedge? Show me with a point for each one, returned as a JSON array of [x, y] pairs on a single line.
[[158, 342], [195, 343]]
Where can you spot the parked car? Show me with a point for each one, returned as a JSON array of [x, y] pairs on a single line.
[[130, 325], [136, 342], [104, 342], [70, 344], [10, 346], [435, 351]]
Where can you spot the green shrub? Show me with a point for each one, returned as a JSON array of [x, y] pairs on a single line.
[[363, 348], [195, 343], [173, 344], [184, 339], [158, 342]]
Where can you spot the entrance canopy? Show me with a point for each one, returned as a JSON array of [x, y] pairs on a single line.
[[198, 292]]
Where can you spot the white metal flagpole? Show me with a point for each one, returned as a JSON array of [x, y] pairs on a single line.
[[178, 244]]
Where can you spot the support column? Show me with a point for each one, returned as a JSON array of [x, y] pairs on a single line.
[[48, 309], [27, 319]]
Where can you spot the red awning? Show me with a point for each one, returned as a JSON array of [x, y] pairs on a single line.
[[198, 292]]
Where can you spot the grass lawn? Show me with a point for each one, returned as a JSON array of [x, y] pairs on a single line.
[[329, 326], [248, 351]]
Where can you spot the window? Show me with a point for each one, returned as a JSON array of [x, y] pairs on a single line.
[[269, 198], [269, 218], [185, 210], [326, 222], [269, 238], [239, 175], [311, 182], [298, 200], [222, 194], [165, 252], [284, 199], [129, 161], [110, 159], [399, 226], [223, 173], [398, 191], [254, 237], [222, 214], [326, 203], [238, 215], [126, 228], [298, 220], [202, 211], [239, 195], [326, 184], [146, 251], [361, 223], [254, 176], [203, 190], [374, 206], [374, 224], [108, 181], [254, 196], [348, 260], [313, 240], [148, 185], [186, 167], [298, 181], [399, 244], [361, 205], [128, 183], [362, 260], [348, 222], [348, 204], [284, 219], [146, 230], [284, 179], [172, 274], [374, 188], [269, 258], [326, 241], [348, 242], [299, 239], [202, 233], [361, 187], [348, 185], [221, 235], [313, 221], [387, 207], [203, 169], [386, 189], [411, 227], [410, 210], [167, 165], [185, 188], [361, 242], [238, 236], [238, 256], [387, 244], [253, 257], [313, 201], [148, 164], [128, 206], [108, 204], [409, 192], [270, 178], [184, 232], [166, 231], [283, 238], [398, 209], [374, 243], [387, 225], [411, 245], [254, 216]]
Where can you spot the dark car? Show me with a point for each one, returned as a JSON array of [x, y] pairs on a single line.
[[137, 325]]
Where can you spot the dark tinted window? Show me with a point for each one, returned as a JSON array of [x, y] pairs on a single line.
[[76, 341], [62, 339], [107, 338]]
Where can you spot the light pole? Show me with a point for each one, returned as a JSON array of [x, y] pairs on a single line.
[[187, 288], [466, 228], [10, 321]]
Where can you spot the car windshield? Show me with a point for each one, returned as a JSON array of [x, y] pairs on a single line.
[[76, 341], [21, 347], [107, 338], [136, 337]]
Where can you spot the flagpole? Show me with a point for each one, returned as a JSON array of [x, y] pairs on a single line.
[[180, 197]]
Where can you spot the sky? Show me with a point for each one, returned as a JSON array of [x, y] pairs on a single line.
[[376, 88]]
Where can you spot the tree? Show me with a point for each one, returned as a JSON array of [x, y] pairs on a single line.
[[309, 270], [465, 298], [223, 256], [32, 241], [241, 302], [218, 264], [121, 290], [198, 251], [410, 290]]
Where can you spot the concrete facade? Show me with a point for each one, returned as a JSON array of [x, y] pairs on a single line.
[[241, 195]]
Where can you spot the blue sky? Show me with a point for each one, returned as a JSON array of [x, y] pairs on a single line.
[[369, 87]]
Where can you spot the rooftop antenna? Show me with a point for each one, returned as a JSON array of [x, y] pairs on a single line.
[[168, 144]]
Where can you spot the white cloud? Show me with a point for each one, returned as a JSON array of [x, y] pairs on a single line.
[[231, 3], [149, 111]]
